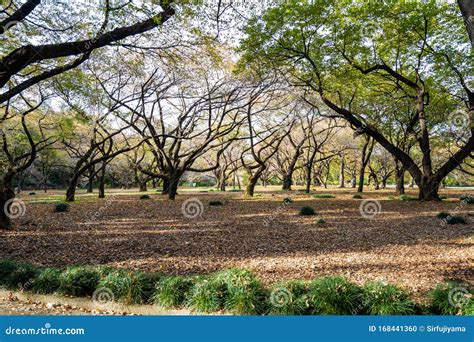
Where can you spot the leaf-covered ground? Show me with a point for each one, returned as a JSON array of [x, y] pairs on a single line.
[[405, 243]]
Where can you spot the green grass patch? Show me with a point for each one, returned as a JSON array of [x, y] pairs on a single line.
[[47, 281], [320, 221], [79, 281], [334, 296], [452, 298], [383, 299], [307, 211], [320, 196], [407, 198], [16, 275], [172, 292], [61, 207], [207, 295], [289, 298]]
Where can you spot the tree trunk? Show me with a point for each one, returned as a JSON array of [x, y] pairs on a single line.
[[102, 182], [6, 194], [173, 188], [166, 186], [308, 178], [143, 187], [90, 183], [71, 190], [428, 189], [342, 178], [400, 180], [287, 181], [250, 189], [361, 179], [222, 186]]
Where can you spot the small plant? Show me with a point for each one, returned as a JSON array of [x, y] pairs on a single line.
[[61, 207], [287, 200], [406, 198], [235, 190], [215, 203], [119, 282], [79, 281], [289, 298], [307, 211], [453, 219], [21, 276], [7, 267], [32, 193], [144, 285], [172, 292], [207, 295], [334, 296], [468, 199], [47, 281], [324, 196], [145, 197], [321, 221], [443, 215], [452, 298], [383, 299], [356, 196], [391, 198]]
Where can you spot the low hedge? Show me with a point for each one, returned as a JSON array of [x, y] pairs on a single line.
[[236, 291]]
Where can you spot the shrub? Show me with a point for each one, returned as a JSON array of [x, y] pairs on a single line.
[[289, 298], [207, 295], [7, 267], [334, 296], [21, 275], [61, 207], [407, 198], [307, 211], [244, 293], [32, 193], [453, 219], [452, 298], [79, 281], [357, 196], [215, 203], [172, 292], [235, 190], [144, 197], [320, 221], [287, 200], [120, 284], [468, 199], [145, 285], [382, 299], [324, 196], [443, 215], [47, 281]]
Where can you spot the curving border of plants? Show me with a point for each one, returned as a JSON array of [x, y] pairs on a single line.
[[234, 291]]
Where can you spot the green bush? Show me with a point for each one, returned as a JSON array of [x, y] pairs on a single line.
[[289, 298], [7, 267], [382, 299], [21, 276], [468, 199], [235, 190], [407, 198], [79, 281], [245, 294], [452, 298], [144, 197], [48, 281], [453, 219], [145, 285], [307, 211], [357, 196], [324, 196], [32, 193], [443, 215], [320, 221], [334, 296], [120, 284], [172, 292], [215, 203], [61, 207], [207, 295]]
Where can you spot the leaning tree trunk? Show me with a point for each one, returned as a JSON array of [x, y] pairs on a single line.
[[102, 182], [250, 189], [361, 179], [71, 190]]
